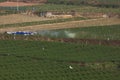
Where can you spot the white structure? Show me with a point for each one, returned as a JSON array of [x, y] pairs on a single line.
[[70, 67]]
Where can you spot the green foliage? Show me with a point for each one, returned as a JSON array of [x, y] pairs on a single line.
[[7, 12], [65, 8], [100, 32], [96, 32], [100, 3], [27, 60], [60, 51], [3, 0]]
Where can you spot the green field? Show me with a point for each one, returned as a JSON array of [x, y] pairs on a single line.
[[96, 32], [2, 0], [60, 51], [25, 58], [99, 3], [65, 8], [37, 60]]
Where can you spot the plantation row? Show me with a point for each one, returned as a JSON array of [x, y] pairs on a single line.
[[60, 51], [38, 60]]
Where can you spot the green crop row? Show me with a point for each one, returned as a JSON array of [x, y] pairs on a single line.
[[110, 32], [31, 69], [60, 51], [36, 60]]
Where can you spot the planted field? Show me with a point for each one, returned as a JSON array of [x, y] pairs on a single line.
[[87, 2], [65, 8], [110, 32], [36, 60]]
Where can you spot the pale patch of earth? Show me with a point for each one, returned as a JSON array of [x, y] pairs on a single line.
[[71, 24], [13, 4], [20, 18]]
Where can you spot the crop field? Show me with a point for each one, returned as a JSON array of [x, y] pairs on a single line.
[[85, 1], [84, 47], [110, 32], [39, 60], [109, 1], [62, 7]]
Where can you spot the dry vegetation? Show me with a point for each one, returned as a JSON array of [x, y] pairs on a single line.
[[19, 18], [72, 24], [15, 4]]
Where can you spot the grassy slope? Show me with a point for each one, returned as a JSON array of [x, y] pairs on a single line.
[[27, 60]]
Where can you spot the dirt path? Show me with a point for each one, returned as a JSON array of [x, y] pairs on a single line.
[[71, 24]]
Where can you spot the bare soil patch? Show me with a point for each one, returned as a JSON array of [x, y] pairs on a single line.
[[13, 4], [71, 24]]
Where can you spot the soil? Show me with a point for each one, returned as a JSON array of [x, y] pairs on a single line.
[[63, 25], [13, 4], [20, 18]]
